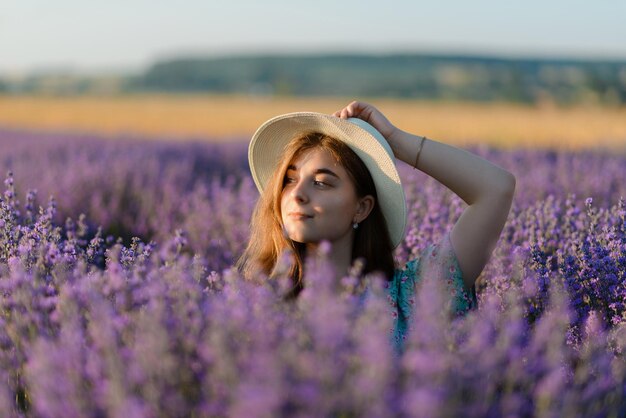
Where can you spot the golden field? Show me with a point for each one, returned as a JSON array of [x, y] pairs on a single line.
[[221, 118]]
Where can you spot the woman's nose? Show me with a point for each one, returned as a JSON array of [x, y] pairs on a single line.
[[299, 193]]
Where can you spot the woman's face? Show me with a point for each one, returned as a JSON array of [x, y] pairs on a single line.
[[318, 200]]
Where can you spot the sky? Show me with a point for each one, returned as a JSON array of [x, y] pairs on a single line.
[[119, 36]]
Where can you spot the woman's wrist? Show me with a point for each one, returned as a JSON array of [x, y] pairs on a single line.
[[419, 151], [406, 147], [395, 142]]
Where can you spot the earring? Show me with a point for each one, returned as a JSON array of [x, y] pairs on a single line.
[[355, 225]]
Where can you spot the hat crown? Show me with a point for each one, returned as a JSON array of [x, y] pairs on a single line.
[[372, 131]]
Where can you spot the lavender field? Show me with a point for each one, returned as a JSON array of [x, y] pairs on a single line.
[[117, 297]]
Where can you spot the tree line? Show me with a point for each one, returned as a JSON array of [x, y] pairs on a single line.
[[410, 76]]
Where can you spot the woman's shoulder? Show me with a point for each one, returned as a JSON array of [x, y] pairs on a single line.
[[438, 260]]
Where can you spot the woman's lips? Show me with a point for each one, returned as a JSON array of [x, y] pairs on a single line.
[[299, 215]]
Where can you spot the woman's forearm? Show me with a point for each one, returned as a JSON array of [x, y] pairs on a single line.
[[467, 175], [485, 187]]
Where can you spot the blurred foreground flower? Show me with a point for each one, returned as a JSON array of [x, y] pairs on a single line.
[[93, 326]]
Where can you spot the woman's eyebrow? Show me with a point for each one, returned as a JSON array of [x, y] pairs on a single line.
[[318, 171]]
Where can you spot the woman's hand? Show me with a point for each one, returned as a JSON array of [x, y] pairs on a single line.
[[371, 115]]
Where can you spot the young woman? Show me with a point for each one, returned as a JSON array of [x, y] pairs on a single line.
[[333, 178]]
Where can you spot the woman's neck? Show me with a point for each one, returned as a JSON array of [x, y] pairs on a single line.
[[339, 256]]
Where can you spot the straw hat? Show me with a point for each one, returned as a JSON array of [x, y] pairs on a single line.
[[269, 140]]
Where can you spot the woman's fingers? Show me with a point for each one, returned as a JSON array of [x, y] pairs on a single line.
[[349, 109], [353, 109], [369, 114]]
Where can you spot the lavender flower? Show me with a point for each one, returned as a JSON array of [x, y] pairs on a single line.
[[131, 308]]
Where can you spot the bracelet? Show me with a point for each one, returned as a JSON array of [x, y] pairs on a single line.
[[419, 150]]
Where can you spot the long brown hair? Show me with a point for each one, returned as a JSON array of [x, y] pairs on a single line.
[[268, 241]]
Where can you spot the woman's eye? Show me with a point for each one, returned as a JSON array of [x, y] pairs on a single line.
[[291, 180]]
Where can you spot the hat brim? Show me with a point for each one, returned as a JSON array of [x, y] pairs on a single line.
[[269, 141]]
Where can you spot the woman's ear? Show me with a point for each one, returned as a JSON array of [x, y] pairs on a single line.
[[364, 207]]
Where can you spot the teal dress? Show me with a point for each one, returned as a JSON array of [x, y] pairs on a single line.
[[439, 260]]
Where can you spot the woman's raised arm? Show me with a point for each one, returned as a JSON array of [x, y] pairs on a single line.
[[485, 187]]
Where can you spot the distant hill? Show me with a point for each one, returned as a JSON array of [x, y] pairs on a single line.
[[417, 76]]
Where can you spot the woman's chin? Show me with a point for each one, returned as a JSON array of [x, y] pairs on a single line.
[[300, 239], [303, 238]]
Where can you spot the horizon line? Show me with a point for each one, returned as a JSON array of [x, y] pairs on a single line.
[[479, 53]]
